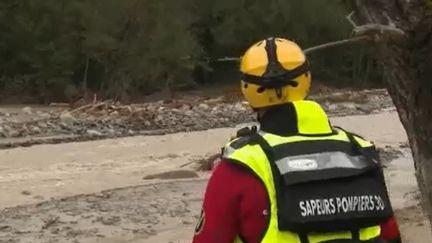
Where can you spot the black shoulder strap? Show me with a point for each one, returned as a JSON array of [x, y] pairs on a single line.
[[370, 155], [355, 144], [246, 131], [268, 151], [242, 138]]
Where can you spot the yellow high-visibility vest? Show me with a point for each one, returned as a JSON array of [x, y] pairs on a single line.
[[312, 120]]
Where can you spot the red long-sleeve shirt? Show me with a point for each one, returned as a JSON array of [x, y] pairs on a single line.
[[236, 203]]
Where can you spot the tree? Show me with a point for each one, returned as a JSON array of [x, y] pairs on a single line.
[[406, 61], [226, 28], [62, 50], [58, 49]]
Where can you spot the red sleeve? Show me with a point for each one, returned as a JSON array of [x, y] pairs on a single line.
[[390, 230], [233, 205]]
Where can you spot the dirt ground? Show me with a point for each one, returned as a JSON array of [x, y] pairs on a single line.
[[95, 191]]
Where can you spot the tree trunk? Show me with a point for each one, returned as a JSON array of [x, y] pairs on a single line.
[[168, 90], [84, 87], [407, 66]]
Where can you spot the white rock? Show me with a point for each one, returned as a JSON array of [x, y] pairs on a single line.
[[203, 106], [189, 113], [35, 129], [349, 105], [67, 118], [13, 133], [42, 114], [332, 107], [27, 110], [94, 133], [240, 107], [151, 108], [159, 118], [185, 107]]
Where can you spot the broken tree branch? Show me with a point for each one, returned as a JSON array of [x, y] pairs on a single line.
[[349, 18], [314, 48], [361, 33], [228, 59], [337, 43], [81, 108], [379, 31], [50, 221]]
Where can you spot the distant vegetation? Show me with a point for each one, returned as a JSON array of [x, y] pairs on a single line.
[[61, 49]]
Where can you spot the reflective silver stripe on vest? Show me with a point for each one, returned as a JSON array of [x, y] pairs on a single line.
[[228, 151], [261, 133], [320, 161]]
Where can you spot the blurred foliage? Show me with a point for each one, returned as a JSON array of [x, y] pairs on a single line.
[[61, 50]]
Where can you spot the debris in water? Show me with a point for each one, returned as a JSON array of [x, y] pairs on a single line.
[[176, 174]]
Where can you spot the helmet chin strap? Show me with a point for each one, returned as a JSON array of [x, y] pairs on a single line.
[[279, 93]]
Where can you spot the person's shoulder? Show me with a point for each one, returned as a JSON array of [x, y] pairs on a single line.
[[228, 169], [242, 137]]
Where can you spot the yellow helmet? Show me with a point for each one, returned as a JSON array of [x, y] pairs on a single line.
[[274, 71]]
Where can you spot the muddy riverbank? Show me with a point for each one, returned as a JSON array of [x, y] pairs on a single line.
[[106, 191]]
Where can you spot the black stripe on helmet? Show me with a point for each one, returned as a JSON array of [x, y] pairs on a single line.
[[274, 67], [284, 79]]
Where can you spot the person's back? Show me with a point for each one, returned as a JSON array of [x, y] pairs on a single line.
[[297, 175]]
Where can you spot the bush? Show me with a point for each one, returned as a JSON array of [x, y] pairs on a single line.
[[59, 50]]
